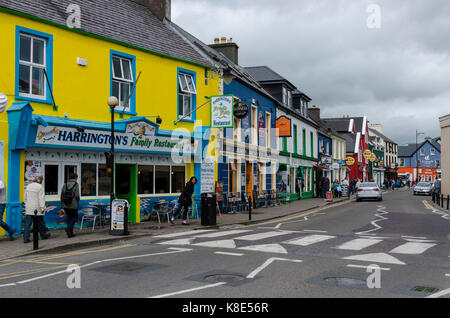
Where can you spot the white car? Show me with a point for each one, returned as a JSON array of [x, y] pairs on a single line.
[[368, 190]]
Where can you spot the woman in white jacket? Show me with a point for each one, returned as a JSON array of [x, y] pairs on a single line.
[[34, 199]]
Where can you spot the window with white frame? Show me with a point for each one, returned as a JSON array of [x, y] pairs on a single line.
[[432, 152], [285, 96], [422, 152], [186, 91], [268, 129], [32, 62], [122, 81], [289, 99]]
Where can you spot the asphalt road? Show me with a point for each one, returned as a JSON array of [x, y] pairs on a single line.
[[322, 253]]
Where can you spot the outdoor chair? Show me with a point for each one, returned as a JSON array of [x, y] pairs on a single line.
[[89, 214], [162, 209]]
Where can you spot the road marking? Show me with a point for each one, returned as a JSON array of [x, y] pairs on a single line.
[[375, 258], [230, 254], [420, 241], [440, 294], [266, 248], [219, 244], [8, 285], [381, 211], [183, 233], [261, 236], [188, 290], [436, 211], [268, 262], [219, 234], [412, 248], [31, 271], [315, 231], [448, 275], [414, 237], [304, 219], [185, 241], [369, 267], [358, 244], [308, 240]]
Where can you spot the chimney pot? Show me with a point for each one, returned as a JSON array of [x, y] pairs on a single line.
[[223, 39], [216, 40]]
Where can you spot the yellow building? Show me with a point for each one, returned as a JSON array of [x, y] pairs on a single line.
[[59, 66]]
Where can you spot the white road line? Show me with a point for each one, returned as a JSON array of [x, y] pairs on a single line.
[[219, 244], [265, 248], [440, 294], [315, 231], [367, 267], [230, 254], [358, 244], [448, 275], [185, 241], [412, 248], [375, 258], [414, 237], [188, 290], [8, 285], [308, 240], [268, 262], [261, 236], [219, 234], [381, 212], [183, 233], [420, 241], [305, 218]]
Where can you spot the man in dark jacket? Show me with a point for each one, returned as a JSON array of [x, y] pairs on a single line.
[[70, 198], [184, 201]]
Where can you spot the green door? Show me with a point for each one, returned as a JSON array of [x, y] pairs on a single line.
[[126, 187]]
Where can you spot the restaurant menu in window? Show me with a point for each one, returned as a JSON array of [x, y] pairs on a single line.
[[32, 169]]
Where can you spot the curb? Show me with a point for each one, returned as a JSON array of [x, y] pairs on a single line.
[[434, 205]]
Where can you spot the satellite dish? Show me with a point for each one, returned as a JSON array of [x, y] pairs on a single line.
[[3, 102]]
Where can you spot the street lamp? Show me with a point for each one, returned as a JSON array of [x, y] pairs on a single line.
[[417, 160], [112, 103]]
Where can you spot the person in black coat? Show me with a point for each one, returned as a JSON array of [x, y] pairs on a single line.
[[184, 201]]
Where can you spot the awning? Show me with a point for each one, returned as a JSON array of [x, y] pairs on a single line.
[[321, 167]]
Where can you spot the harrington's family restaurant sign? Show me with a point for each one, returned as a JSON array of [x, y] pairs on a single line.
[[138, 137], [222, 111]]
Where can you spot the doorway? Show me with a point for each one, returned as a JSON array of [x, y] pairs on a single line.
[[249, 179], [126, 187]]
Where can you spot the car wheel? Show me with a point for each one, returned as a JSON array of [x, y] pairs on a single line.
[[358, 200], [380, 199]]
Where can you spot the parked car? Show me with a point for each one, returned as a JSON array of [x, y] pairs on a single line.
[[369, 190], [423, 188]]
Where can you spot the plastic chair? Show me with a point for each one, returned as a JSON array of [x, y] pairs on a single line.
[[88, 215], [161, 208]]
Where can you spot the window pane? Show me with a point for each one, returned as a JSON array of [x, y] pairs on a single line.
[[88, 179], [51, 179], [190, 84], [183, 84], [115, 89], [178, 179], [25, 48], [145, 180], [186, 104], [24, 79], [180, 104], [38, 51], [126, 69], [38, 81], [162, 179], [104, 180], [124, 93], [117, 70]]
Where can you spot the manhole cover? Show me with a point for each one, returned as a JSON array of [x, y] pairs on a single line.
[[224, 278], [345, 281], [126, 267]]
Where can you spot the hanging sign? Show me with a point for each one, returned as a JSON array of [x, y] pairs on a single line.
[[350, 161], [367, 154], [283, 125], [222, 111], [240, 110], [373, 158]]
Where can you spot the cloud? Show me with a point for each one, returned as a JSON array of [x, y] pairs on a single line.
[[398, 75]]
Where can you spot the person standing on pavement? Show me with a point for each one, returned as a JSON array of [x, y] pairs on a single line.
[[70, 198], [184, 201], [5, 226], [326, 186], [34, 199], [352, 186]]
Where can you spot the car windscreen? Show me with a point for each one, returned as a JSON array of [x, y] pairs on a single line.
[[369, 185], [423, 184]]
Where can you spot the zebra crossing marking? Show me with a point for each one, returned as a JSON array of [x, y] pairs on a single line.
[[261, 236], [219, 234], [185, 241], [220, 244], [183, 233], [309, 240], [375, 258], [266, 248], [412, 248], [358, 244]]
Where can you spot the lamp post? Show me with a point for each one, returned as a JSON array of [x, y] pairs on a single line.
[[112, 103], [417, 160]]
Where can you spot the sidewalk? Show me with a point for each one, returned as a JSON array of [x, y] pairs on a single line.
[[100, 236]]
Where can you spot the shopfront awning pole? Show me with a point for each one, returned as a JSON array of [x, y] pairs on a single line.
[[187, 115]]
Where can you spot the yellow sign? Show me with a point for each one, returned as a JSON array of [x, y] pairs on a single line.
[[367, 154], [373, 158], [350, 161]]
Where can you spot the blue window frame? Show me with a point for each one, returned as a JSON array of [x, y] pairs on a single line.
[[123, 78], [34, 53], [187, 94]]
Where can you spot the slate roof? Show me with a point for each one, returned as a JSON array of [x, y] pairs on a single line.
[[376, 132], [350, 141], [266, 75], [410, 149], [337, 125], [120, 20]]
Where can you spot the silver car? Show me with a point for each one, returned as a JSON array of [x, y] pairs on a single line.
[[368, 190], [423, 188]]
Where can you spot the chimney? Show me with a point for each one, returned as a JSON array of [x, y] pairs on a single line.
[[160, 8], [227, 48], [377, 127], [314, 112]]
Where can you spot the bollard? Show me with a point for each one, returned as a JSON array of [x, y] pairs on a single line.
[[448, 199], [442, 200], [433, 197], [250, 209], [35, 231]]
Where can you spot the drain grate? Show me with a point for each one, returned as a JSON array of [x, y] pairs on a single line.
[[425, 289], [345, 281], [224, 278]]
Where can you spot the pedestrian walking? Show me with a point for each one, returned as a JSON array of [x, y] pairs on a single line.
[[4, 225], [352, 186], [70, 199], [34, 199], [184, 201], [326, 187]]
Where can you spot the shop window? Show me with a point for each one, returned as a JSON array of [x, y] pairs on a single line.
[[145, 180], [178, 179], [187, 92], [88, 179], [51, 174], [33, 56], [123, 69], [162, 179], [104, 180]]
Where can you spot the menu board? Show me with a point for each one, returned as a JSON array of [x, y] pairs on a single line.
[[118, 215], [207, 177]]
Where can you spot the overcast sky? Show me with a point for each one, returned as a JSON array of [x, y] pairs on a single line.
[[398, 75]]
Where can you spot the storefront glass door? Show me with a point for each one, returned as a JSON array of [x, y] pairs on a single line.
[[126, 187]]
